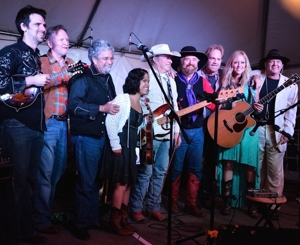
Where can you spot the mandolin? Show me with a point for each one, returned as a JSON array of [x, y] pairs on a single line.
[[20, 101], [231, 123]]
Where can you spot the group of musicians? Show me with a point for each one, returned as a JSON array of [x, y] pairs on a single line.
[[39, 94]]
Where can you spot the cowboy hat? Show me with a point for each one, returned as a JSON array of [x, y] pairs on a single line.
[[273, 54], [158, 50], [190, 51]]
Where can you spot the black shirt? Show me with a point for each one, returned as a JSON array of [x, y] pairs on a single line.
[[17, 61], [269, 108]]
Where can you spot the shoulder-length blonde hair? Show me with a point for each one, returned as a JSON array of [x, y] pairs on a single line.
[[227, 71]]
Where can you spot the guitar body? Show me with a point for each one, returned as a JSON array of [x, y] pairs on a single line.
[[20, 101], [231, 124]]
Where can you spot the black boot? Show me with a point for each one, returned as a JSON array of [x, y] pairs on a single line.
[[227, 189]]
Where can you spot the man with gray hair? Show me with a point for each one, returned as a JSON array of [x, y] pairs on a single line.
[[90, 99]]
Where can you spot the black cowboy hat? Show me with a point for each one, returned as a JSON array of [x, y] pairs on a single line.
[[187, 51], [273, 54]]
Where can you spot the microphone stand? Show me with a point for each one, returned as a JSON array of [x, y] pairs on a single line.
[[211, 234], [292, 141], [172, 115]]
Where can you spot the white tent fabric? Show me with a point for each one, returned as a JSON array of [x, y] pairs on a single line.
[[254, 26]]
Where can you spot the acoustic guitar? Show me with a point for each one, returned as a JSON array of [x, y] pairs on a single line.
[[20, 101], [160, 115], [232, 123]]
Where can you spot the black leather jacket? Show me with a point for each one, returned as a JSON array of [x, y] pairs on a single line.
[[87, 92]]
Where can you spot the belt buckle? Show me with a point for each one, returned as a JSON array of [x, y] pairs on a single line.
[[59, 118]]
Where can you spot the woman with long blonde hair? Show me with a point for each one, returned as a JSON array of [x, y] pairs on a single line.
[[245, 155]]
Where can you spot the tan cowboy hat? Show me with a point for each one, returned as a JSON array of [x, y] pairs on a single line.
[[273, 54], [158, 50], [190, 51]]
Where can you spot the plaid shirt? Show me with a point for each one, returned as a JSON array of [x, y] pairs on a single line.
[[60, 102]]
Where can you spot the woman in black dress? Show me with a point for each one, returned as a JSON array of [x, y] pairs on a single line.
[[119, 163]]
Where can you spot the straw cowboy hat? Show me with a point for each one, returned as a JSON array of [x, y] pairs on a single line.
[[160, 49], [273, 54], [190, 51]]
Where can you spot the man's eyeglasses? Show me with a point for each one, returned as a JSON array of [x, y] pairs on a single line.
[[107, 58]]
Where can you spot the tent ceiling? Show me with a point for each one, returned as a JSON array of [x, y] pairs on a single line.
[[245, 25]]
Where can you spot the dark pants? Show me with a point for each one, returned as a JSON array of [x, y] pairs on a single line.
[[23, 146]]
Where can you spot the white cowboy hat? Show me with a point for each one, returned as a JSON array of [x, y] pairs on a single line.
[[158, 50]]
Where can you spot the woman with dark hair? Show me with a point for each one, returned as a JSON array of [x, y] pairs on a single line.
[[119, 163]]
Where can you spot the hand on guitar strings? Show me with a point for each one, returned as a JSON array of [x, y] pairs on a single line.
[[258, 107]]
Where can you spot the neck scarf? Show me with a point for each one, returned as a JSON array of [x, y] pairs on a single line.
[[190, 95]]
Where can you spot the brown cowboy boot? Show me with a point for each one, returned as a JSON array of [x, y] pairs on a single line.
[[124, 219], [115, 222], [191, 197], [227, 187], [175, 195]]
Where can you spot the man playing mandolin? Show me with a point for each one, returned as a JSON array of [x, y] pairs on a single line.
[[54, 154], [22, 128]]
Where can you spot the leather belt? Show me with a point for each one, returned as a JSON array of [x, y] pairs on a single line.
[[59, 118]]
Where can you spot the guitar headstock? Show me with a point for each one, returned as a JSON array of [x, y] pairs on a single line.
[[292, 80], [230, 93], [77, 67]]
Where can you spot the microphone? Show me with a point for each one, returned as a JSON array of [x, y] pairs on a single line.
[[280, 130], [143, 48], [129, 48], [91, 36]]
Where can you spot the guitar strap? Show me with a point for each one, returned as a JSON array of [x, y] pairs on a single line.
[[170, 94]]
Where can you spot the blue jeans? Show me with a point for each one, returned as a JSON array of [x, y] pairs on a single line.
[[189, 153], [88, 152], [24, 146], [150, 180], [52, 167]]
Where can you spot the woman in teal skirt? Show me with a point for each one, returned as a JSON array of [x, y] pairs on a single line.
[[238, 167]]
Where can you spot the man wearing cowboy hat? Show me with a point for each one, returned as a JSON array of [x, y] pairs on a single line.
[[150, 177], [190, 87], [272, 144]]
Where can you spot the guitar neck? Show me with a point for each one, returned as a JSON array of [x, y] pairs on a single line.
[[192, 108], [292, 80], [58, 74], [271, 95]]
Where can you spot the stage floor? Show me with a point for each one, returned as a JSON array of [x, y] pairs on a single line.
[[183, 225]]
